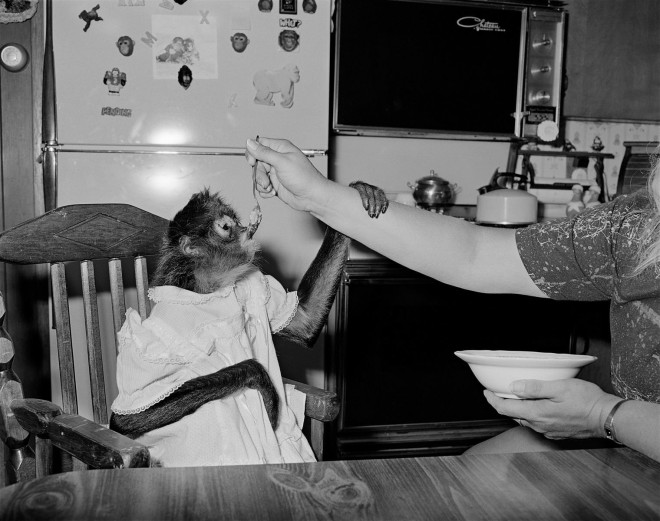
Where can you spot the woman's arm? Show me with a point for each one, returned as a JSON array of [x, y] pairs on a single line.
[[448, 249], [576, 408]]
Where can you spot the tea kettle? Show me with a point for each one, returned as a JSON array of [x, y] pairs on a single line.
[[504, 201], [432, 192]]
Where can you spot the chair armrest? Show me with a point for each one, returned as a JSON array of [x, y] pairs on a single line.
[[320, 404], [93, 444]]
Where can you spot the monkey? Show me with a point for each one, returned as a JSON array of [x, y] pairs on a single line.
[[207, 252]]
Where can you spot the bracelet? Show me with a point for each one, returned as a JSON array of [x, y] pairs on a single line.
[[610, 434]]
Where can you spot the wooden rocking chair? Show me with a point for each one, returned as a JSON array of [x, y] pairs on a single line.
[[84, 233]]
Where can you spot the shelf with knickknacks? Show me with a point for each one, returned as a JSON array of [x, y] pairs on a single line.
[[582, 200], [579, 163]]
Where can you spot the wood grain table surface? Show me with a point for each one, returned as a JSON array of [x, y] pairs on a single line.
[[616, 484]]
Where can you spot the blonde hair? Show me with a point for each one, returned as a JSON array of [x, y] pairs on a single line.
[[649, 245]]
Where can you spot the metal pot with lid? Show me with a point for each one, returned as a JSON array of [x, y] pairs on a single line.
[[432, 192]]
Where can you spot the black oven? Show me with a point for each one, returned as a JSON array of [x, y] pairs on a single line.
[[391, 357]]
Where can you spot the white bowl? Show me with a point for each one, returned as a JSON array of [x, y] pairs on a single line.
[[495, 370]]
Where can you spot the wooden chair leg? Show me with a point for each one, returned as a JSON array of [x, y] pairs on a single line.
[[21, 464], [44, 457], [317, 430]]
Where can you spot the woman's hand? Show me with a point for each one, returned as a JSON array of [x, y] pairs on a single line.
[[559, 408], [283, 170]]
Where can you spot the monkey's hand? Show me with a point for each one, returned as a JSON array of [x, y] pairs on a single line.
[[373, 198]]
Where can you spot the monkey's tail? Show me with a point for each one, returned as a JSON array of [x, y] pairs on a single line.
[[198, 391]]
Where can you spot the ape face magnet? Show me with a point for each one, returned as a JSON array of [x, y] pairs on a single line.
[[185, 77], [289, 40], [309, 6], [239, 42], [265, 6], [125, 44]]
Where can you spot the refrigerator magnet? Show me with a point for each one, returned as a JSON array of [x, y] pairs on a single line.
[[185, 77], [289, 40], [309, 6], [288, 7], [265, 6], [115, 80], [90, 16], [125, 45], [239, 41], [268, 83]]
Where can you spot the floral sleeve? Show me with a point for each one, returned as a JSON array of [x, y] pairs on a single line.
[[582, 258]]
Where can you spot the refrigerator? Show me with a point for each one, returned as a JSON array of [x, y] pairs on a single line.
[[148, 101]]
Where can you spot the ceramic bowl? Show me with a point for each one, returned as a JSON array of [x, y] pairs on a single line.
[[495, 370]]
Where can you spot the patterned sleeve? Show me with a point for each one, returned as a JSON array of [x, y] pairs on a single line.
[[580, 258]]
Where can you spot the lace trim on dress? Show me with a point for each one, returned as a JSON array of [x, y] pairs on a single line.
[[289, 318], [162, 294], [267, 286], [153, 402]]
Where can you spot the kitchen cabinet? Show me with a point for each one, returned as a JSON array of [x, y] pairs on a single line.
[[612, 56], [391, 357]]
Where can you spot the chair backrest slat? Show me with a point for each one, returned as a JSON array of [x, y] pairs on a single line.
[[94, 351], [117, 296], [142, 286], [64, 344], [84, 234]]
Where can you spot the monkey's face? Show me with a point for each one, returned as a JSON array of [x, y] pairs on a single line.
[[209, 230], [206, 247]]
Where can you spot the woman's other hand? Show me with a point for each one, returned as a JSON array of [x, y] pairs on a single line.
[[557, 409]]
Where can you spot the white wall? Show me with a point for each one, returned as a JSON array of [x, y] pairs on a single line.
[[391, 163]]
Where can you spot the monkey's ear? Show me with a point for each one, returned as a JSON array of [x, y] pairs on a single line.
[[186, 248]]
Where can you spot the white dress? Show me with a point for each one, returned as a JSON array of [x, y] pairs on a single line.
[[189, 335]]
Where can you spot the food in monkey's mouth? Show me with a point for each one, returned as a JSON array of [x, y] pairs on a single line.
[[254, 221]]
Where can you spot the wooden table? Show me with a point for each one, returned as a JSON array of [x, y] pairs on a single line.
[[577, 485]]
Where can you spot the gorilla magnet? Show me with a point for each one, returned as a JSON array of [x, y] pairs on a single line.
[[90, 16]]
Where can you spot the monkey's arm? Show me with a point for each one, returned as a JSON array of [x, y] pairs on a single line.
[[317, 290], [198, 391], [319, 284]]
